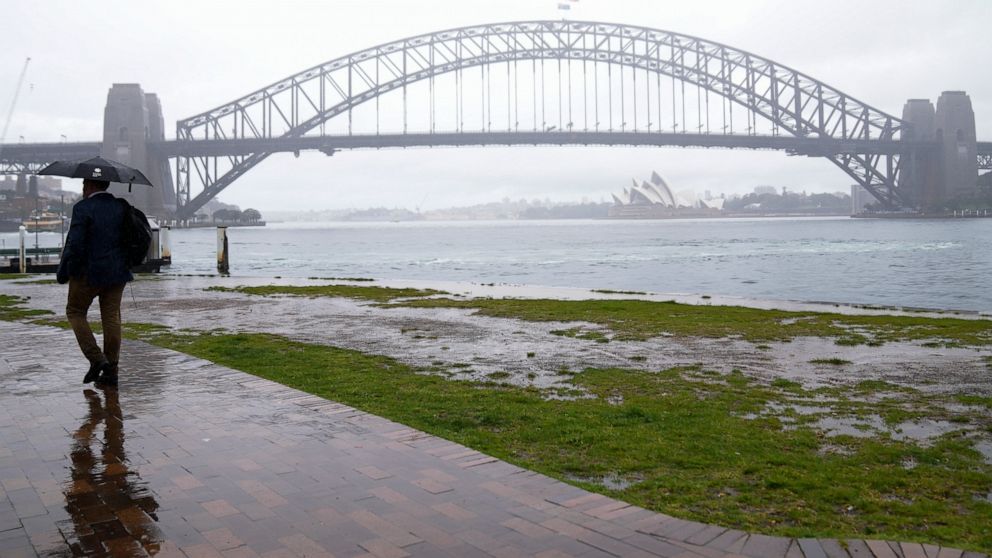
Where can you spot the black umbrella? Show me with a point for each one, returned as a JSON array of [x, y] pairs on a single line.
[[96, 168]]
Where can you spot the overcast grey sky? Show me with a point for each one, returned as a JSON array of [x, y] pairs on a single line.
[[199, 54]]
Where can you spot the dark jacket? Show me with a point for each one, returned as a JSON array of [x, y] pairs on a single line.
[[93, 246]]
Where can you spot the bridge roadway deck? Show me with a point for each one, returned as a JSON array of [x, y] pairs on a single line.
[[47, 152], [197, 460]]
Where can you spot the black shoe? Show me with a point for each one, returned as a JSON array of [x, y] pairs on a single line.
[[108, 375], [94, 372], [107, 381]]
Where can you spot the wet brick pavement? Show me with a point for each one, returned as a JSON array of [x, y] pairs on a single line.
[[191, 459]]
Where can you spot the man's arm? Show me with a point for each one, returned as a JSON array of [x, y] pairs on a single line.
[[73, 256]]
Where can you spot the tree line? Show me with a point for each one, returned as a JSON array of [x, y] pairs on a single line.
[[248, 216]]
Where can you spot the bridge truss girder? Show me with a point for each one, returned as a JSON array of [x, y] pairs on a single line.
[[18, 167], [794, 103], [985, 161]]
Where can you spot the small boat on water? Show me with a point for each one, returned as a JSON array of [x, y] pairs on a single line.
[[44, 222]]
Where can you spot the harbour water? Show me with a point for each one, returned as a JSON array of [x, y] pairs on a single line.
[[939, 264]]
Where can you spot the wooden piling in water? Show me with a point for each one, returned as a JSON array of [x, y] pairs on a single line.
[[223, 261]]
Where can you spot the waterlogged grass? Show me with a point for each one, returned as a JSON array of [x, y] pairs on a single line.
[[611, 291], [12, 308], [362, 279], [720, 448], [692, 443], [639, 320], [833, 361], [39, 282], [581, 333], [376, 294]]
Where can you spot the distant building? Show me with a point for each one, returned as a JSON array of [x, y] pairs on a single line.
[[656, 200], [860, 199], [656, 192], [765, 190], [47, 186]]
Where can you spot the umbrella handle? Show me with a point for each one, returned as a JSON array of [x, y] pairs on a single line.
[[128, 187]]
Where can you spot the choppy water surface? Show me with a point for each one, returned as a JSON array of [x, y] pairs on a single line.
[[920, 263]]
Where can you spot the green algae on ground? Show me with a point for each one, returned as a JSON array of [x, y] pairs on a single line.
[[833, 361], [692, 443], [39, 282], [376, 294], [11, 308], [642, 319], [581, 333]]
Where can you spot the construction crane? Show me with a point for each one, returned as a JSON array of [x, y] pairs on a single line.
[[13, 103]]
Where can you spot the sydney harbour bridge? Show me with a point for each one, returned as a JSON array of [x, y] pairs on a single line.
[[537, 83]]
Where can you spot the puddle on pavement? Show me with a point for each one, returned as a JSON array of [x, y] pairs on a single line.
[[104, 496], [611, 481]]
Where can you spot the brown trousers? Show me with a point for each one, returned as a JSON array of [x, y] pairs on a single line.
[[81, 296]]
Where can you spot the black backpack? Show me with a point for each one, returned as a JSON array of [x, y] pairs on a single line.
[[136, 235]]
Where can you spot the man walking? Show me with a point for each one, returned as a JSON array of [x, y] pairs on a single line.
[[93, 265]]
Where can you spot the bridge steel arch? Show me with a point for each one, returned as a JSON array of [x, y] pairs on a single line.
[[290, 108]]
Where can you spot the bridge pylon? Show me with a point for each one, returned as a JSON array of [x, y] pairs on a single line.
[[950, 171], [132, 123]]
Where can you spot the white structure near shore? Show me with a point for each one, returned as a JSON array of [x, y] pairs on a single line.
[[656, 200]]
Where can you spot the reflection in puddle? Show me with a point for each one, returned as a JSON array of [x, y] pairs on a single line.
[[111, 509]]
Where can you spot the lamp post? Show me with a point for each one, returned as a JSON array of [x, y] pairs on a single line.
[[37, 217], [22, 260]]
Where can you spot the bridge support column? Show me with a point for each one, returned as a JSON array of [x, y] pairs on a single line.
[[955, 130], [931, 179], [132, 119], [920, 180]]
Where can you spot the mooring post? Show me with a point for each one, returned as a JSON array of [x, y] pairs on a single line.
[[22, 254], [165, 243], [223, 261]]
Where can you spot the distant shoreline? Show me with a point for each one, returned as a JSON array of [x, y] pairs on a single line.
[[214, 225]]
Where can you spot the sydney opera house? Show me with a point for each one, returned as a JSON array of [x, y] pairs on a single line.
[[656, 200]]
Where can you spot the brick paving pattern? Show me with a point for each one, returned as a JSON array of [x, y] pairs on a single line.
[[190, 459]]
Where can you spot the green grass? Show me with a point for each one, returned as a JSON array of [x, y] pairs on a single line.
[[12, 309], [611, 291], [361, 279], [834, 361], [39, 282], [11, 276], [580, 333], [680, 436], [376, 294], [639, 320]]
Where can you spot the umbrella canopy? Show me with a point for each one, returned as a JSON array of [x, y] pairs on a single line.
[[96, 168]]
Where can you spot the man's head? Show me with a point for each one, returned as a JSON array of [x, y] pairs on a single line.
[[93, 186]]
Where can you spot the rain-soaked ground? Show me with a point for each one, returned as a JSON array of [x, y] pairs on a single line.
[[474, 346], [203, 467], [191, 459]]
